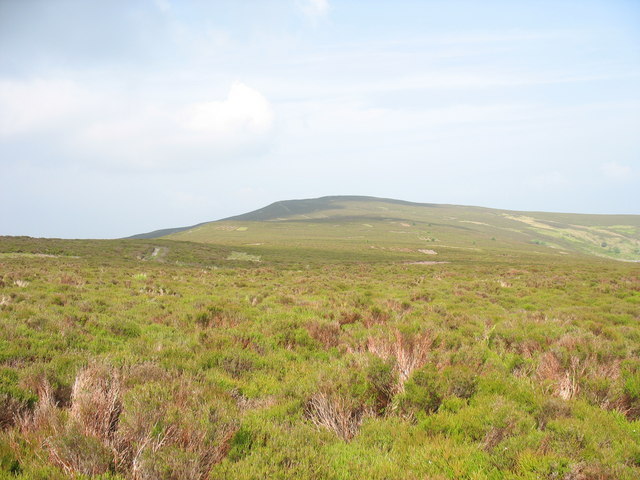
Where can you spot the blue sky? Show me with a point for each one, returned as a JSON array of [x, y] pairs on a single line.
[[126, 116]]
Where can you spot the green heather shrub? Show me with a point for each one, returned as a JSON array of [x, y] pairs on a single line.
[[238, 363], [382, 382], [9, 464], [292, 337], [631, 388], [551, 409], [123, 328], [531, 464], [78, 453], [424, 391], [604, 392], [14, 401], [488, 420], [452, 404], [170, 463], [240, 445], [460, 380]]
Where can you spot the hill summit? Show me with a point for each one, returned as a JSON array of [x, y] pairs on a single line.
[[369, 222]]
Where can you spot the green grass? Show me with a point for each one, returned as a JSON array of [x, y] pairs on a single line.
[[326, 359], [358, 224]]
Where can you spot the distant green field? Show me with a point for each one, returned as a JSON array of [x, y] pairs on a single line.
[[376, 340]]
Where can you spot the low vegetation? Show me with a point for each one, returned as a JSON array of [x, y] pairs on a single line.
[[200, 362]]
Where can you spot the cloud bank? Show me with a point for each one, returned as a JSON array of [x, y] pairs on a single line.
[[98, 128]]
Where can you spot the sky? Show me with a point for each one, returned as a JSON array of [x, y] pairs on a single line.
[[124, 116]]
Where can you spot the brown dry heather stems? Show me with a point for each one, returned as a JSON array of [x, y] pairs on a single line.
[[328, 334], [44, 413], [96, 401], [336, 413], [409, 352], [89, 440], [564, 381]]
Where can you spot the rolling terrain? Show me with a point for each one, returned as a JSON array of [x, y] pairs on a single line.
[[357, 225], [336, 338]]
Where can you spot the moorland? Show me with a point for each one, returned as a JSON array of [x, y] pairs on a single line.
[[333, 338]]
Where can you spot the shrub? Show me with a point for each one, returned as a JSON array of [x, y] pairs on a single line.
[[551, 409], [293, 337], [169, 463], [631, 389], [237, 363], [336, 412], [408, 352], [424, 391], [177, 430], [8, 461], [14, 401], [77, 453], [327, 334], [461, 381], [240, 444], [123, 328], [95, 401], [383, 383]]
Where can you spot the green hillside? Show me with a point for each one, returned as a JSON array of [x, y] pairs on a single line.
[[359, 225], [338, 338]]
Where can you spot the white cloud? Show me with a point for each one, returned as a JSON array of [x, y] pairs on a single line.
[[616, 171], [118, 129], [39, 104], [180, 137], [244, 110], [314, 8]]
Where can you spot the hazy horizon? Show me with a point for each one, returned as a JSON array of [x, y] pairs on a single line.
[[124, 117]]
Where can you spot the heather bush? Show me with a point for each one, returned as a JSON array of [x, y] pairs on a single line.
[[424, 391]]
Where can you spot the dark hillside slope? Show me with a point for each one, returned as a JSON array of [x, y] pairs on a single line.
[[288, 208]]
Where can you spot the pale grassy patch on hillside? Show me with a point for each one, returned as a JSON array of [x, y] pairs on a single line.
[[475, 223], [425, 262], [624, 229], [228, 228], [32, 255], [600, 241], [243, 256], [529, 221]]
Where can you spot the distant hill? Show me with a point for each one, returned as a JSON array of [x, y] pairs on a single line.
[[161, 233], [354, 223], [287, 208]]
